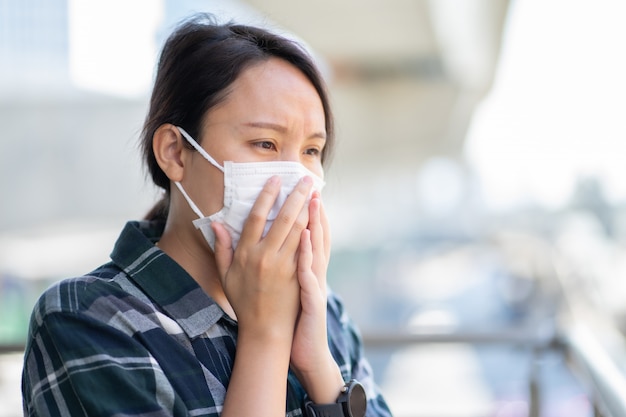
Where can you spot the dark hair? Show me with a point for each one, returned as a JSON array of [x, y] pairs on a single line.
[[198, 63]]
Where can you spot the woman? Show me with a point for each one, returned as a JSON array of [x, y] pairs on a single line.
[[226, 314]]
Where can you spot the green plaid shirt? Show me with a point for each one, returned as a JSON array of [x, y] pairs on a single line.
[[139, 337]]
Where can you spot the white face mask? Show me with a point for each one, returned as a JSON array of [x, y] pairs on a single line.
[[243, 183]]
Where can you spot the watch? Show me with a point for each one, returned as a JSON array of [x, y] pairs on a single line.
[[351, 403]]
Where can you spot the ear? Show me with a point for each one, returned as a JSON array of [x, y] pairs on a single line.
[[169, 151]]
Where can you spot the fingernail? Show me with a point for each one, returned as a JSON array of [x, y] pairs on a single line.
[[307, 180], [274, 179]]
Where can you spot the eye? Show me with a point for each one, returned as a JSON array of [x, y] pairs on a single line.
[[265, 144], [313, 152]]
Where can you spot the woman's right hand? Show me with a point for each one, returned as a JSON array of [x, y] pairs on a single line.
[[259, 278]]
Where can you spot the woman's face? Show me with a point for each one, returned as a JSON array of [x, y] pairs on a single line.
[[271, 113]]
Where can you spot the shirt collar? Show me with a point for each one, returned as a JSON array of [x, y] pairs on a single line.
[[163, 280]]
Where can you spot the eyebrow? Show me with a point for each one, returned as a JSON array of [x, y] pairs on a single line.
[[280, 128]]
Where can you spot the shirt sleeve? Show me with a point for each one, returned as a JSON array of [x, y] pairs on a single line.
[[77, 366], [347, 348]]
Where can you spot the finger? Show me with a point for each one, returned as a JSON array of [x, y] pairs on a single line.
[[292, 217], [223, 248], [292, 241], [255, 223], [326, 229], [305, 261], [315, 226], [325, 226], [305, 254], [320, 262]]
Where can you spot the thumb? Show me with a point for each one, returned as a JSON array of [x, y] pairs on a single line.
[[223, 248], [306, 279]]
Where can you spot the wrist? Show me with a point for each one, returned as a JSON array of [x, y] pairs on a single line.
[[273, 335], [324, 384]]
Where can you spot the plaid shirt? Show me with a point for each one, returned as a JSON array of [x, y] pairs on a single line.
[[139, 337]]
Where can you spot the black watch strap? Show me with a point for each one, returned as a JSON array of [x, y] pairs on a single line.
[[352, 402], [324, 410]]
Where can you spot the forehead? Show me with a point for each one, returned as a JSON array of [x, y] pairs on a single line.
[[274, 71], [271, 88]]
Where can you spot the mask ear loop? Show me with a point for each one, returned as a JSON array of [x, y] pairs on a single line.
[[191, 203], [207, 157], [200, 149]]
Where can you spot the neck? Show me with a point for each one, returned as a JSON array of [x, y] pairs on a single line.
[[192, 253]]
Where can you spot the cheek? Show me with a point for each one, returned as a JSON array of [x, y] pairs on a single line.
[[214, 194], [207, 189]]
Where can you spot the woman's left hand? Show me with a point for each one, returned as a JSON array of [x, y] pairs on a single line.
[[311, 359]]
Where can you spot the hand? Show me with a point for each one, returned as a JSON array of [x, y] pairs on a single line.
[[259, 278], [311, 359], [310, 340]]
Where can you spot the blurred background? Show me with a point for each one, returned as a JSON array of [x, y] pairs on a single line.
[[477, 194]]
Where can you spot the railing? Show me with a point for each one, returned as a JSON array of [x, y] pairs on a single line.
[[511, 336], [597, 370], [530, 338], [11, 348]]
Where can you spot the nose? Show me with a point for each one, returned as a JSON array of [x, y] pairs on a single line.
[[291, 155]]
